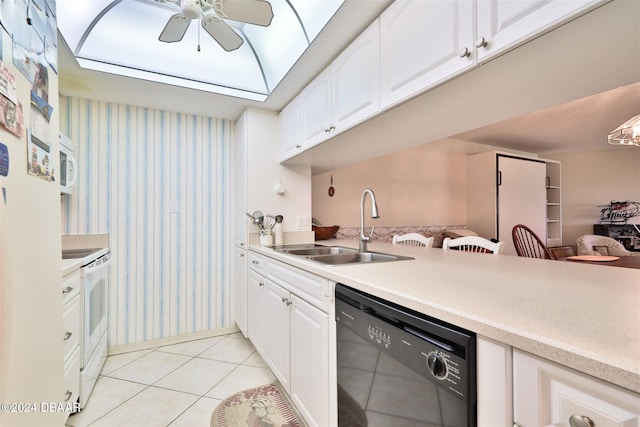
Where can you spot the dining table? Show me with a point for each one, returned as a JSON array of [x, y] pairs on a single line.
[[626, 261]]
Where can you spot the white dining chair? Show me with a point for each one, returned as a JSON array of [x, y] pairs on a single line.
[[473, 244], [413, 239]]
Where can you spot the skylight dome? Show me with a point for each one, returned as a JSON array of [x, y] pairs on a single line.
[[122, 37]]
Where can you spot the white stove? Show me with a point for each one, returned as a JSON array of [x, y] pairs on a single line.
[[94, 273]]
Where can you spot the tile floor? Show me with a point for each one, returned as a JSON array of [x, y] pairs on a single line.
[[176, 385]]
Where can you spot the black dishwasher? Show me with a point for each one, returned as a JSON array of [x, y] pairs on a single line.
[[400, 367]]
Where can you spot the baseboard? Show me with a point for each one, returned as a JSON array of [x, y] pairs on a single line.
[[146, 345]]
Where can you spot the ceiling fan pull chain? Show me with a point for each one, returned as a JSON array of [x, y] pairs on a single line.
[[199, 18]]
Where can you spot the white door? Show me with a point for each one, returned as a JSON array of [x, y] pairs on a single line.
[[310, 362], [522, 198], [421, 44], [276, 303], [356, 79], [506, 23], [240, 289]]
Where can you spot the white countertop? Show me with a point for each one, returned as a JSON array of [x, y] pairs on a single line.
[[586, 317], [70, 265]]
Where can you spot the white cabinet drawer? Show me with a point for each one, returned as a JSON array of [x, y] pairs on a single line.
[[314, 289], [548, 394], [258, 263], [71, 380], [70, 286], [71, 325]]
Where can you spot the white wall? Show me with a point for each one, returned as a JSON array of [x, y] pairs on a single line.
[[158, 183], [594, 178], [420, 186]]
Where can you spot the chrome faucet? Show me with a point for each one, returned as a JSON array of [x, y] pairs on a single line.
[[374, 214]]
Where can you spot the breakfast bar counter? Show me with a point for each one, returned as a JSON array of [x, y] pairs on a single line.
[[578, 315]]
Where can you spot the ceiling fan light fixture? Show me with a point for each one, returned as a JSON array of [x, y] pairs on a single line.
[[627, 133], [190, 8]]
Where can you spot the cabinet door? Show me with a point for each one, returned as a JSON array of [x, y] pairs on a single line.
[[310, 362], [505, 24], [290, 140], [240, 289], [256, 312], [421, 43], [522, 198], [356, 80], [276, 303], [549, 394], [317, 113]]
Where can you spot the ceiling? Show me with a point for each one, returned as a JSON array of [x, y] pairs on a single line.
[[253, 60]]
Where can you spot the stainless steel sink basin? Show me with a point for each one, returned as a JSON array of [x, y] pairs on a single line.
[[327, 250], [357, 258], [338, 255]]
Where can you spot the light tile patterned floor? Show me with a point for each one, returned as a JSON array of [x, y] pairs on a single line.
[[178, 385]]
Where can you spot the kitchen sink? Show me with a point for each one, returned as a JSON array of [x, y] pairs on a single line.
[[326, 250], [338, 255]]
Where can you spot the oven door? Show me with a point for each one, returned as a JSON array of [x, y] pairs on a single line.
[[95, 288]]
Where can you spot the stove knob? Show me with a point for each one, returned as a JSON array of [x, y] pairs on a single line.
[[437, 365]]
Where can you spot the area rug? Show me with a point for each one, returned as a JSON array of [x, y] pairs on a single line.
[[262, 406]]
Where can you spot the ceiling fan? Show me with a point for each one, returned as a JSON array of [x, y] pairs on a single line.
[[212, 14]]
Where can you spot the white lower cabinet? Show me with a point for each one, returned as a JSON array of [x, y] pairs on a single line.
[[310, 361], [290, 329], [240, 289], [71, 309], [549, 394]]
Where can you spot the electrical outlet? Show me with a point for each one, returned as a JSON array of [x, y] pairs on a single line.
[[303, 223]]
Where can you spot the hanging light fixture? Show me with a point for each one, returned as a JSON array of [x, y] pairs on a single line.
[[627, 133]]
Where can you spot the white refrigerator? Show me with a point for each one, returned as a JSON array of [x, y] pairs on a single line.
[[31, 330]]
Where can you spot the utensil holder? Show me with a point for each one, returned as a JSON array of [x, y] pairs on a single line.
[[266, 238]]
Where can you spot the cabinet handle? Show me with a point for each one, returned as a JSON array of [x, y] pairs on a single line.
[[241, 255], [464, 53], [68, 395], [67, 335], [481, 42], [548, 179], [254, 262], [260, 283], [67, 290], [581, 421], [286, 301], [298, 146]]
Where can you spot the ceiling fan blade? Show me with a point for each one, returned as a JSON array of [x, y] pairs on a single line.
[[221, 32], [175, 28], [257, 12]]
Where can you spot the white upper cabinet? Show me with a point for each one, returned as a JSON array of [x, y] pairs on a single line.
[[317, 110], [290, 141], [423, 43], [504, 24], [356, 80], [343, 95]]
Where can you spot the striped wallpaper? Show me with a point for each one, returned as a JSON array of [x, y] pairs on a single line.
[[158, 183]]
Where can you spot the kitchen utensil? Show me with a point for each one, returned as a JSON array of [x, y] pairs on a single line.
[[277, 230], [258, 218], [270, 221], [331, 189]]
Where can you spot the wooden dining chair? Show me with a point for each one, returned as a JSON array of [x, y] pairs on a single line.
[[528, 244], [413, 239], [472, 244]]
